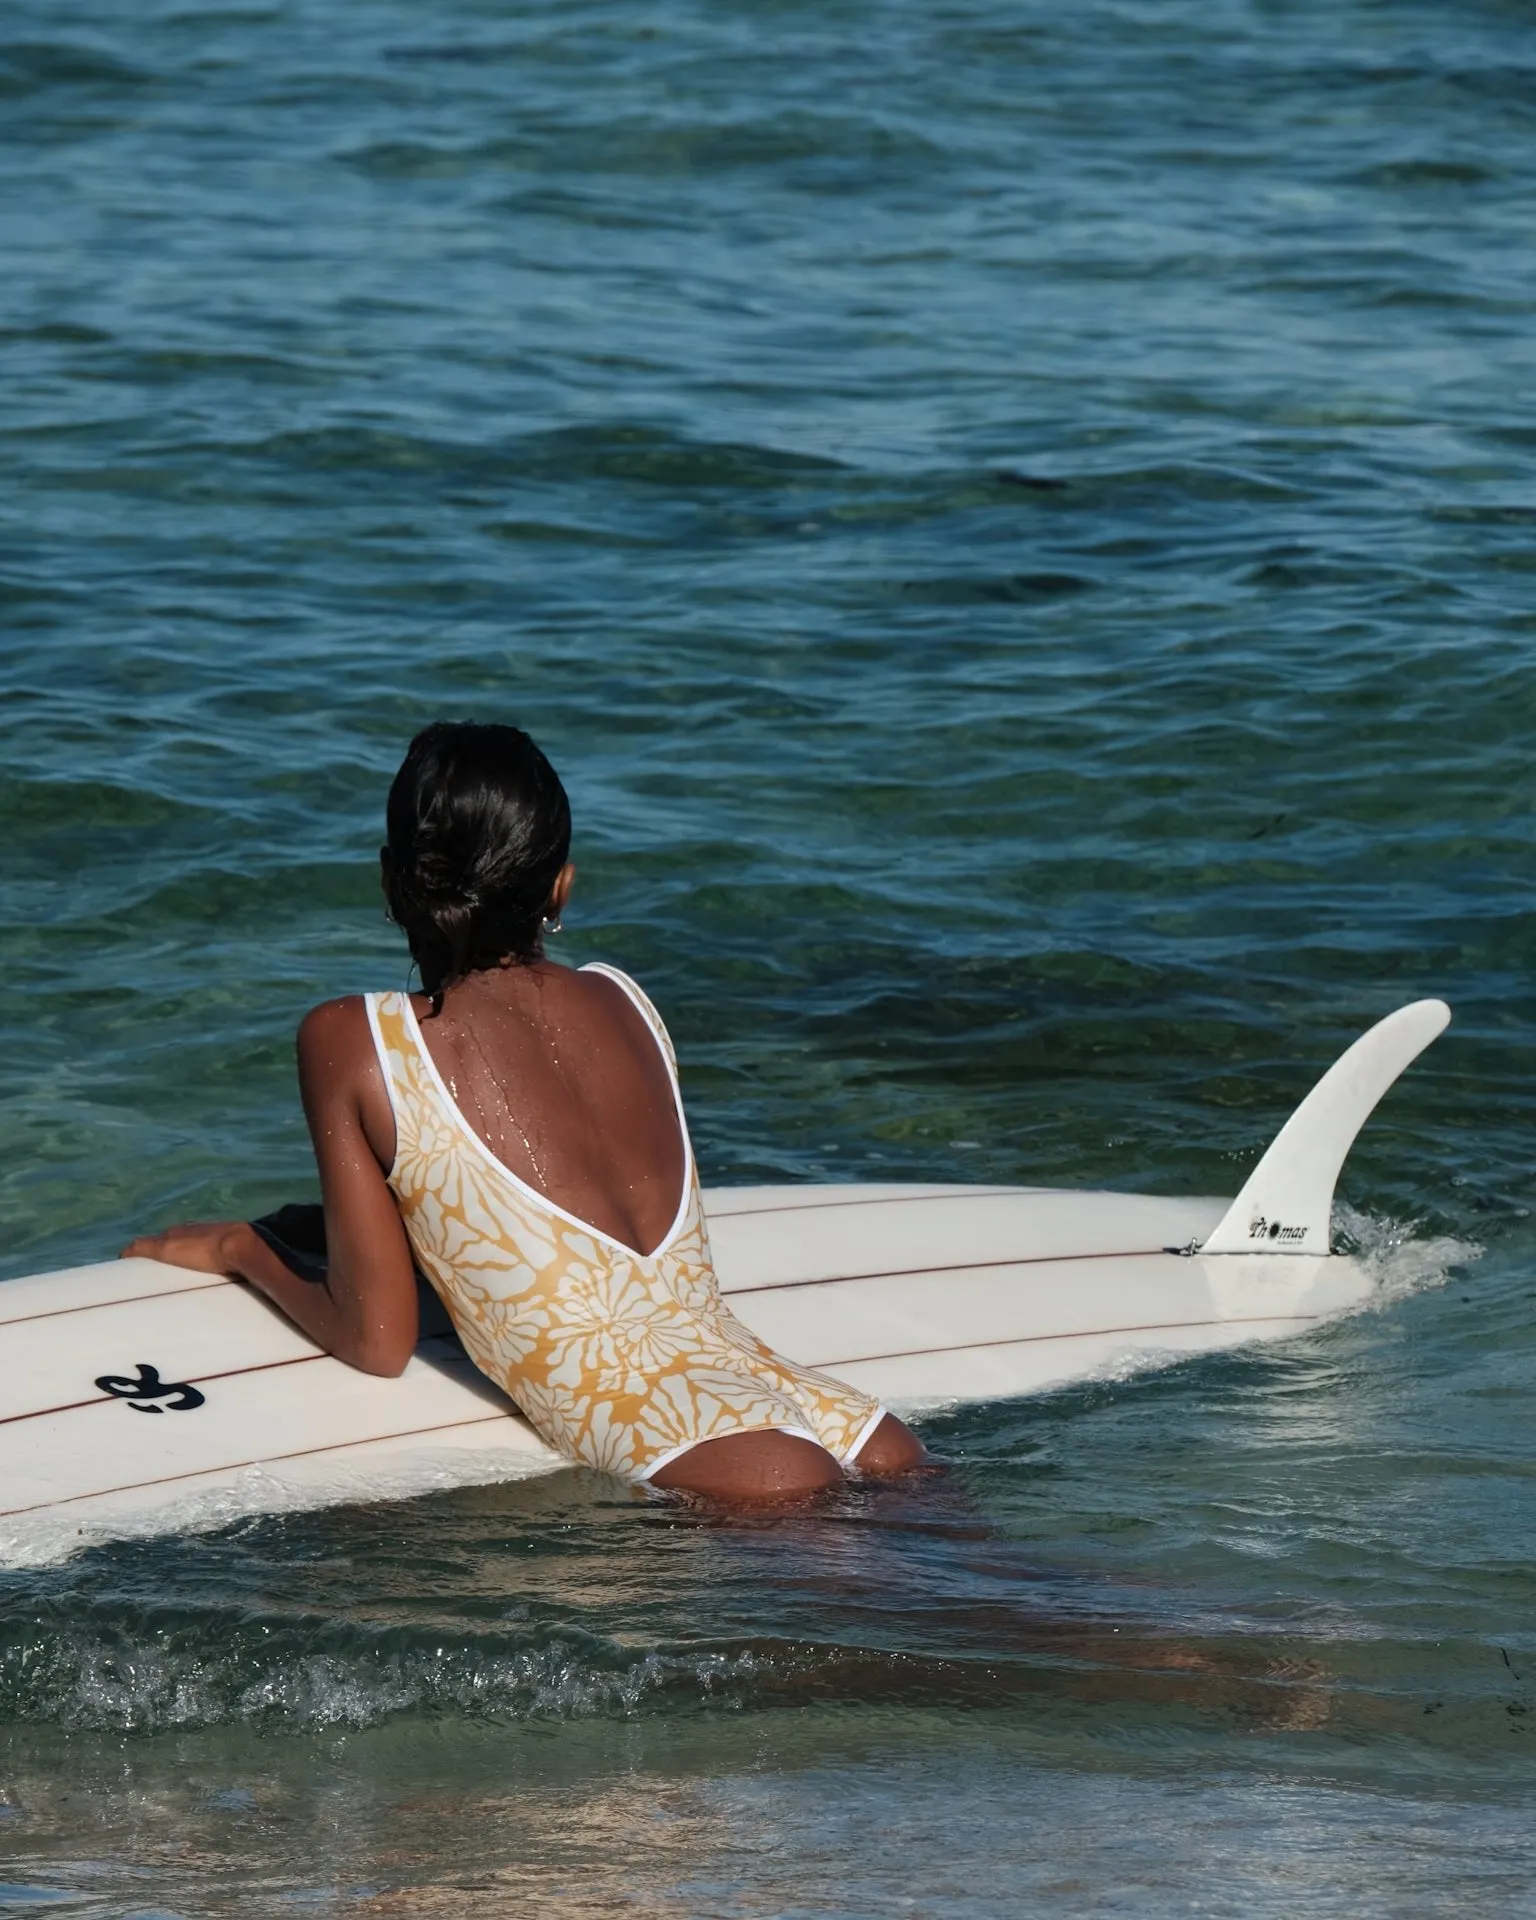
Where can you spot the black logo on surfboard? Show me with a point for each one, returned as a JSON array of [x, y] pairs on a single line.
[[145, 1394], [1261, 1229]]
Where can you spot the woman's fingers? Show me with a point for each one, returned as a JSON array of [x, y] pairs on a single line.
[[201, 1245]]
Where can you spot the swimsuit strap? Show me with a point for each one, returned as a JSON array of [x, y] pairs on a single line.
[[648, 1014], [391, 1049]]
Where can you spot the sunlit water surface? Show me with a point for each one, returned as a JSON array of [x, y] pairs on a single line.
[[1016, 524]]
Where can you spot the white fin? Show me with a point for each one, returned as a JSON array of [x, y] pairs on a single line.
[[1286, 1203]]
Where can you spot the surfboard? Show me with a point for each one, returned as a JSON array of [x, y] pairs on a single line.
[[137, 1397]]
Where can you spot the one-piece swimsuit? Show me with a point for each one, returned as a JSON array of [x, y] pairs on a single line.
[[619, 1359]]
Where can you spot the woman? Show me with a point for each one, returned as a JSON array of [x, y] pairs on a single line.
[[517, 1128]]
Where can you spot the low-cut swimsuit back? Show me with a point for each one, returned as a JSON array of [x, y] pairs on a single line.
[[619, 1359]]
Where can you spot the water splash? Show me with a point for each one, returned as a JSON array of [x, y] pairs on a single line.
[[1398, 1261], [141, 1678]]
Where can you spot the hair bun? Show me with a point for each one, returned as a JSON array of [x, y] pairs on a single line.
[[479, 829]]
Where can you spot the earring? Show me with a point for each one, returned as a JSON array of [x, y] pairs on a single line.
[[551, 926]]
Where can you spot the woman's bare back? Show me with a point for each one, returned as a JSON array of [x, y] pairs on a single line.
[[557, 1073]]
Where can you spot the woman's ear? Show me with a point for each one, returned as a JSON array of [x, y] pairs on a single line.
[[560, 892]]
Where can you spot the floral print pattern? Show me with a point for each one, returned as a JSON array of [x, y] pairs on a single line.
[[618, 1359]]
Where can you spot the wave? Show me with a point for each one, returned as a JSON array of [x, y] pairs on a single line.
[[144, 1680], [299, 1678]]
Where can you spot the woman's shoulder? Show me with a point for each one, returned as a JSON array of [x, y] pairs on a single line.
[[340, 1071], [619, 986], [336, 1027], [605, 970], [610, 980]]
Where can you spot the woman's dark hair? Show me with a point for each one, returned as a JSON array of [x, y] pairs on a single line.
[[478, 829]]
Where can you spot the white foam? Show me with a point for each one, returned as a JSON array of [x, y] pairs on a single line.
[[1399, 1263]]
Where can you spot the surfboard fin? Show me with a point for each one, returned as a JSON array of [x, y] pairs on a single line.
[[1286, 1203]]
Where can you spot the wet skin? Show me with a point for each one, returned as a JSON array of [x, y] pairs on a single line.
[[594, 1128]]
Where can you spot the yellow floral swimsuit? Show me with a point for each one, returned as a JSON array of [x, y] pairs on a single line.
[[621, 1360]]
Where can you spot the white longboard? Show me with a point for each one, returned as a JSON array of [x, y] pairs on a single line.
[[138, 1397]]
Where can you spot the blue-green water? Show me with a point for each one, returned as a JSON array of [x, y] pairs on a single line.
[[1018, 526]]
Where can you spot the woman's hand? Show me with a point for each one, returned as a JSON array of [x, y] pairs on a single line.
[[206, 1246]]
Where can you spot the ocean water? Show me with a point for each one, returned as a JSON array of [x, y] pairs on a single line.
[[1018, 526]]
